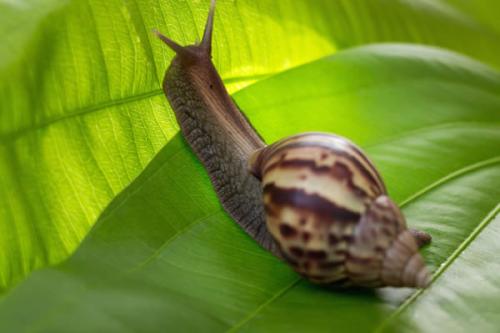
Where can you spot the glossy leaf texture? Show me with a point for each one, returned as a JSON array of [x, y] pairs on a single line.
[[165, 257], [82, 113]]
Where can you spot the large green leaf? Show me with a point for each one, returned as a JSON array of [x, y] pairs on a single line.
[[164, 257], [82, 112]]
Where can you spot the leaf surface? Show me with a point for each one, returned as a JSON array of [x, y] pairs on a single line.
[[82, 112], [164, 256]]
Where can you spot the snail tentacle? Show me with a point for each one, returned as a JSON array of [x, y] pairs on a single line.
[[422, 237]]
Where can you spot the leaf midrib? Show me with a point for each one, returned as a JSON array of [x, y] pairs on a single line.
[[11, 136]]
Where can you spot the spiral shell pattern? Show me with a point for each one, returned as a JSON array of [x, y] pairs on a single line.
[[327, 209]]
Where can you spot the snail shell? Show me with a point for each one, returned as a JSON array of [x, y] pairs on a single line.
[[327, 208]]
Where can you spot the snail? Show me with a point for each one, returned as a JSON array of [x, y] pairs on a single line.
[[314, 199]]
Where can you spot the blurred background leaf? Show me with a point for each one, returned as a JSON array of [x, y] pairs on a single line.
[[82, 115]]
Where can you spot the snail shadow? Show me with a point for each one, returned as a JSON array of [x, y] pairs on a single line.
[[352, 309], [353, 291], [385, 296], [393, 296]]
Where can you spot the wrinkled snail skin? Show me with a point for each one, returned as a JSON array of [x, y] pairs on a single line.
[[313, 199], [217, 131]]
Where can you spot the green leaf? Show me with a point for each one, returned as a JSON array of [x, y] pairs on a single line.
[[82, 112], [465, 296], [164, 257], [484, 14]]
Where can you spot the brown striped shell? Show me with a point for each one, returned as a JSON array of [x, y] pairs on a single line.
[[327, 208]]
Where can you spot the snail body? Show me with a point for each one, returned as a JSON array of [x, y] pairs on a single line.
[[219, 134], [314, 199]]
